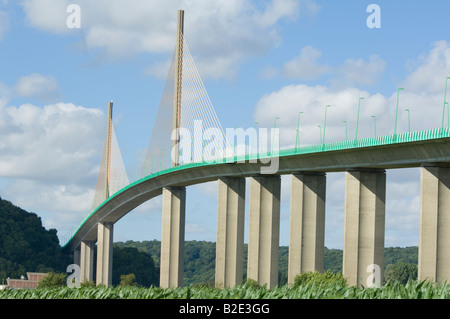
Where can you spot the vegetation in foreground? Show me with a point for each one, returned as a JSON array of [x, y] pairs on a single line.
[[306, 286]]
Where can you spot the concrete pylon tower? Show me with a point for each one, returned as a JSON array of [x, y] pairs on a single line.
[[108, 150], [177, 88]]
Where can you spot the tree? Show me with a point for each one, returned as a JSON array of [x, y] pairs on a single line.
[[401, 272], [53, 280], [128, 280], [129, 260]]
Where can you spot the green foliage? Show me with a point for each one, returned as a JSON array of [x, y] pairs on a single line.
[[53, 280], [327, 278], [401, 272], [394, 255], [128, 280], [25, 245], [392, 290], [129, 260]]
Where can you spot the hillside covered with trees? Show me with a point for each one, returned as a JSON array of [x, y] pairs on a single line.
[[25, 245]]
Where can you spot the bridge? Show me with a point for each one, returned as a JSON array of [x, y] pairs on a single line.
[[192, 161]]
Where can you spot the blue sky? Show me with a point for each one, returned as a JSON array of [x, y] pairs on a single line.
[[257, 59]]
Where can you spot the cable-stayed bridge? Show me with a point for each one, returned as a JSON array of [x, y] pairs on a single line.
[[189, 146]]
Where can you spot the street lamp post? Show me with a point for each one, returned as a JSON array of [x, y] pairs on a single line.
[[357, 118], [448, 115], [273, 139], [445, 100], [375, 124], [396, 110], [346, 136], [325, 123], [320, 129], [409, 120], [298, 127], [255, 139]]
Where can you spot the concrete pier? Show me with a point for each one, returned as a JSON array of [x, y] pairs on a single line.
[[434, 234], [264, 229], [365, 195], [172, 237], [307, 224], [104, 253], [87, 261], [230, 232]]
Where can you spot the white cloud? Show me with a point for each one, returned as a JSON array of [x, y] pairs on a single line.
[[360, 72], [48, 15], [431, 73], [49, 158], [54, 143], [222, 34], [38, 86], [305, 65]]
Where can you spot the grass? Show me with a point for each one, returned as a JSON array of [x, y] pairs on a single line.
[[391, 290]]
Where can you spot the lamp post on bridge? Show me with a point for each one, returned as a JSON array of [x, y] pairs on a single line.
[[255, 139], [445, 101], [357, 118], [298, 127], [320, 129], [346, 136], [409, 120], [325, 123], [375, 124], [448, 115], [273, 138], [396, 110]]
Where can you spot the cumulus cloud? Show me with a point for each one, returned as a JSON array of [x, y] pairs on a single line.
[[50, 156], [434, 67], [352, 72], [222, 34], [305, 65], [56, 142], [360, 72], [38, 86]]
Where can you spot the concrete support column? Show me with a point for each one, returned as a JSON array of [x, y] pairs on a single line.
[[104, 253], [365, 196], [307, 224], [76, 256], [434, 236], [87, 261], [230, 232], [172, 237], [264, 229]]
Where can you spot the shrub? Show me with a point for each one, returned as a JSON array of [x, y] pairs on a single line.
[[327, 278], [53, 280], [128, 280]]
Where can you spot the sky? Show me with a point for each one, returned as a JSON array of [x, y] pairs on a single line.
[[258, 60]]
